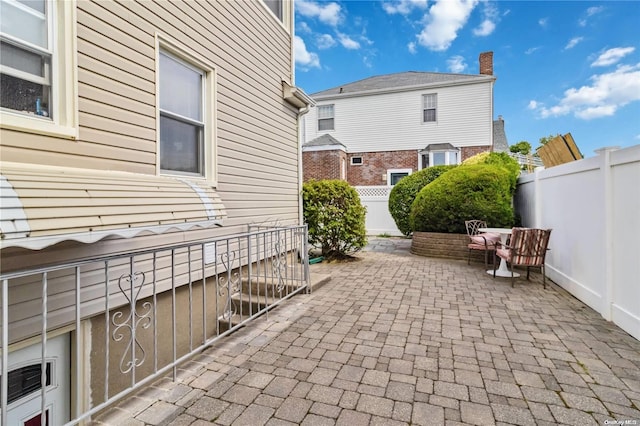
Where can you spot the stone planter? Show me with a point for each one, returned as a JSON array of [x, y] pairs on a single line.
[[449, 246]]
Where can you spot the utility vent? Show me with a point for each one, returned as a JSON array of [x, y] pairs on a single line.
[[356, 161]]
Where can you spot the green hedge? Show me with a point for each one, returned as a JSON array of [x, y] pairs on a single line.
[[335, 217], [501, 159], [404, 193], [480, 191]]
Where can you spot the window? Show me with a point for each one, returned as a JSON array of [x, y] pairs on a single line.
[[26, 380], [394, 175], [356, 161], [325, 117], [184, 106], [439, 155], [429, 107], [275, 6], [37, 66]]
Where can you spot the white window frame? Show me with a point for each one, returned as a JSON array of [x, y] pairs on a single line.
[[447, 158], [209, 112], [431, 107], [395, 171], [286, 19], [356, 164], [333, 117], [63, 121]]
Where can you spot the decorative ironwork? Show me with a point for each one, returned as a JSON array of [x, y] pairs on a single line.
[[130, 286], [229, 283], [279, 262]]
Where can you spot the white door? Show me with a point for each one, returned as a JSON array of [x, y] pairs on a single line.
[[25, 391]]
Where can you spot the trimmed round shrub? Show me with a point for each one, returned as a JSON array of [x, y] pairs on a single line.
[[405, 191], [481, 191], [501, 159], [335, 217]]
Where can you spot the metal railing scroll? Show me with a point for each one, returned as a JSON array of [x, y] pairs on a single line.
[[140, 313]]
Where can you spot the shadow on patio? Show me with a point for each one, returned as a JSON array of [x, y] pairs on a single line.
[[395, 338]]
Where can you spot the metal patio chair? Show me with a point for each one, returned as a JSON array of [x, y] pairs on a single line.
[[527, 247], [484, 241]]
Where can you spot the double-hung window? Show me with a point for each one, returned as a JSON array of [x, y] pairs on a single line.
[[27, 50], [182, 116], [325, 117], [37, 65], [429, 107]]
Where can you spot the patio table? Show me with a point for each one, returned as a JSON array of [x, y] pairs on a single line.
[[504, 233]]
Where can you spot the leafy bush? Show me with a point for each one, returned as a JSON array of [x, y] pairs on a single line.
[[501, 159], [405, 191], [335, 217], [480, 191]]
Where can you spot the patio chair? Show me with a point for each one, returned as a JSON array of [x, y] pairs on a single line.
[[527, 247], [480, 240]]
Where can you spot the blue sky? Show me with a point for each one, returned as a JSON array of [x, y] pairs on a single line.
[[561, 66]]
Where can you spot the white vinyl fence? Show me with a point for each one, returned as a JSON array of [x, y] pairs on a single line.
[[593, 207], [378, 220]]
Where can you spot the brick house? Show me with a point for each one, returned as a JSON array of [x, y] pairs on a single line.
[[373, 132]]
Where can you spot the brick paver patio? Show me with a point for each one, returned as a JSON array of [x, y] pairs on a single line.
[[395, 338]]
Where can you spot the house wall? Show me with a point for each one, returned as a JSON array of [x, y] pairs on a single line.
[[323, 164], [393, 121], [256, 130], [373, 170], [592, 207], [257, 151]]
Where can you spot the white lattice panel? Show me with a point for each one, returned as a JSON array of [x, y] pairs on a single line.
[[373, 191]]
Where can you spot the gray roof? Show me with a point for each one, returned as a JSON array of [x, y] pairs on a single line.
[[439, 147], [324, 140], [500, 143], [398, 80]]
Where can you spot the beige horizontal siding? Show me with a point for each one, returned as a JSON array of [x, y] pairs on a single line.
[[257, 157], [59, 201]]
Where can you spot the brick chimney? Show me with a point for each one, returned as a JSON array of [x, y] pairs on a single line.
[[486, 63]]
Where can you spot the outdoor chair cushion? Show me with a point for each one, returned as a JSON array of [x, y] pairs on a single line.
[[480, 239]]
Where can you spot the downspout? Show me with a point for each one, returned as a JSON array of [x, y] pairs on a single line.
[[301, 112]]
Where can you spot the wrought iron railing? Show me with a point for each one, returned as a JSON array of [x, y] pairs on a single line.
[[143, 313]]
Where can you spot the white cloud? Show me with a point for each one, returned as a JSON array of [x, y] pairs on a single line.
[[491, 17], [442, 23], [325, 41], [347, 42], [303, 28], [607, 93], [572, 43], [543, 22], [412, 47], [594, 10], [485, 28], [304, 58], [612, 56], [403, 7], [456, 64], [328, 13], [530, 50]]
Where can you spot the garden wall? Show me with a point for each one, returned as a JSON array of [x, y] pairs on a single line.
[[448, 246]]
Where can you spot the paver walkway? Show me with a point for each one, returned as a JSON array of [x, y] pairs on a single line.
[[395, 338]]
